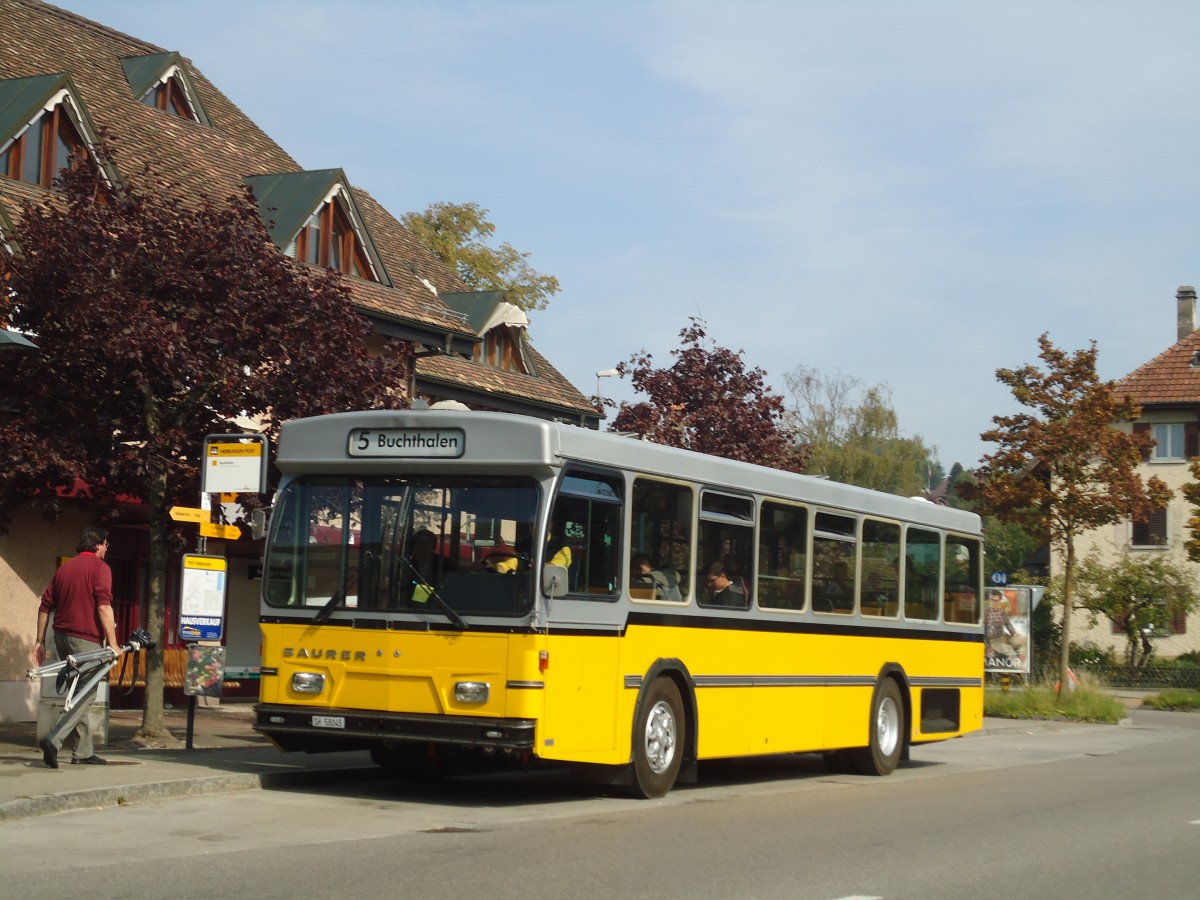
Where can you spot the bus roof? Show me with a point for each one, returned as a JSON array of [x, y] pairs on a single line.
[[378, 441]]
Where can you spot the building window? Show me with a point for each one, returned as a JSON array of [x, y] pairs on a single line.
[[168, 95], [500, 350], [328, 239], [1168, 440], [1152, 532], [48, 146]]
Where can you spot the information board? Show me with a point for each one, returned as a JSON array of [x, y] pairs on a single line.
[[202, 598], [234, 464]]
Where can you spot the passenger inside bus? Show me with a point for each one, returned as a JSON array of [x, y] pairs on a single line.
[[722, 590], [646, 582]]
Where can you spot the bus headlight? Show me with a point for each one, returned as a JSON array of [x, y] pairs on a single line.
[[308, 682], [471, 691]]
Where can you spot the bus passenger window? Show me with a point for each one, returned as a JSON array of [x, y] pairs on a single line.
[[962, 579], [782, 555], [879, 588], [662, 531], [833, 563], [922, 566], [726, 550], [585, 532]]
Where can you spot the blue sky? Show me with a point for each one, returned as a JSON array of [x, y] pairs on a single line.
[[902, 192]]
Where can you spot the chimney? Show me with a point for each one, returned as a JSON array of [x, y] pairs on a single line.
[[1185, 315]]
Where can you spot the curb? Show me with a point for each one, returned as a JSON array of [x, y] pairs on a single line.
[[122, 795]]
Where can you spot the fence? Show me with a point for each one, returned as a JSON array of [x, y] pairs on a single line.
[[1135, 677]]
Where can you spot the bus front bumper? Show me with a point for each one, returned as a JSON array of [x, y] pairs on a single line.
[[305, 727]]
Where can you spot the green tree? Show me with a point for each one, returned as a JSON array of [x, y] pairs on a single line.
[[159, 324], [1191, 492], [1062, 469], [853, 434], [1140, 594], [708, 401], [459, 235]]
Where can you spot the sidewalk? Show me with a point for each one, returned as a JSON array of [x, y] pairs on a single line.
[[227, 755]]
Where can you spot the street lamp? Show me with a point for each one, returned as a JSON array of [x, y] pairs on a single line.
[[604, 373]]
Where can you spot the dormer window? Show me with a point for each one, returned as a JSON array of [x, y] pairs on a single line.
[[169, 97], [501, 349], [161, 82], [48, 145], [313, 217], [327, 239]]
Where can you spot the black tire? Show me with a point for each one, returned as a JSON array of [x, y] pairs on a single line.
[[887, 732], [658, 739]]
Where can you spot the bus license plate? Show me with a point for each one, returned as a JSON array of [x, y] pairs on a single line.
[[329, 722]]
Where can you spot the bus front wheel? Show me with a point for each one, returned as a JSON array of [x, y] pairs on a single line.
[[887, 732], [658, 739]]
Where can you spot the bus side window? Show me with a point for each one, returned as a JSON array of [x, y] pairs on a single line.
[[922, 563], [962, 577], [879, 588], [782, 555], [662, 531], [585, 532]]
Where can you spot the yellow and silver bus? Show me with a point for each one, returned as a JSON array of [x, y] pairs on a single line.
[[439, 581]]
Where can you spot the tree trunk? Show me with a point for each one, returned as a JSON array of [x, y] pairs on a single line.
[[1064, 664], [153, 718]]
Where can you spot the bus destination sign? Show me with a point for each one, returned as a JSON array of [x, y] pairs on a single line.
[[408, 443]]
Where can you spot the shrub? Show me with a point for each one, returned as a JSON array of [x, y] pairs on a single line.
[[1174, 699], [1087, 703]]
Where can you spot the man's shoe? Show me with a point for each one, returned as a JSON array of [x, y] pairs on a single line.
[[92, 760], [50, 754]]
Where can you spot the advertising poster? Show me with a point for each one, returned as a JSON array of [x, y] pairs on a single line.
[[1006, 629], [205, 671]]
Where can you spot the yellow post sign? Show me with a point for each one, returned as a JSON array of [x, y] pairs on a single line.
[[215, 530], [188, 514]]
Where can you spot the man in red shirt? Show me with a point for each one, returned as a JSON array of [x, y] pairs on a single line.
[[80, 597]]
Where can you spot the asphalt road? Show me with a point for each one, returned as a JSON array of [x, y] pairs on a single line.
[[1079, 812]]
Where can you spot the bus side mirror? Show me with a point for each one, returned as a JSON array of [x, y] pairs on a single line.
[[258, 524], [554, 581]]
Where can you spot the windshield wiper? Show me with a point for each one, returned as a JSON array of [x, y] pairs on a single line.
[[327, 610], [449, 611]]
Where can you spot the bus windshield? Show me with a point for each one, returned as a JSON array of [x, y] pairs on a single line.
[[403, 545]]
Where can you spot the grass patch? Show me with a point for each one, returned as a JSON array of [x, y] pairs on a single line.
[[1174, 698], [1087, 703]]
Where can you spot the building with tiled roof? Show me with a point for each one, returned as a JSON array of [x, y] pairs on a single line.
[[1168, 390], [65, 80], [60, 72]]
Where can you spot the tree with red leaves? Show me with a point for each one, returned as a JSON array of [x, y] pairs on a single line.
[[159, 323], [1062, 469], [710, 402]]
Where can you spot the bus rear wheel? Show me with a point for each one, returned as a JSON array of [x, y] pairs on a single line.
[[658, 739], [887, 732]]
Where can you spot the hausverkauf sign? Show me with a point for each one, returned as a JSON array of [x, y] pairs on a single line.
[[407, 443], [202, 598]]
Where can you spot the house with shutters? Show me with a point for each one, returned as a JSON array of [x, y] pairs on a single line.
[[65, 80], [1168, 390]]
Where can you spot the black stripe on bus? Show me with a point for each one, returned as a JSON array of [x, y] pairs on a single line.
[[853, 628], [634, 682]]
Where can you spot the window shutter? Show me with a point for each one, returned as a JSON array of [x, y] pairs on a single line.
[[1191, 439], [1142, 428], [1152, 532], [1179, 623]]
